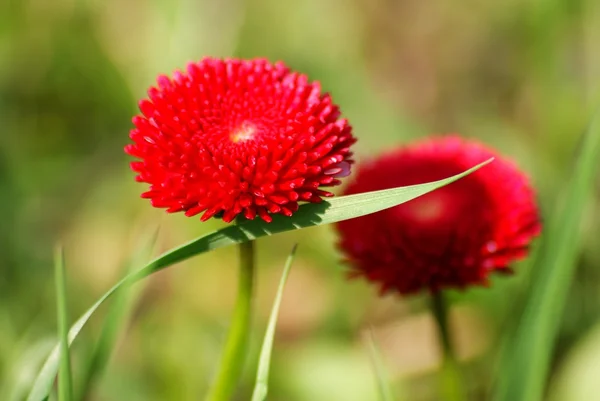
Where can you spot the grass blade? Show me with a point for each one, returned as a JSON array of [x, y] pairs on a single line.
[[18, 380], [383, 383], [115, 318], [262, 376], [65, 382], [309, 215], [526, 359]]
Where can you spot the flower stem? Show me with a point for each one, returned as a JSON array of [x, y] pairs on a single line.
[[234, 355], [451, 381]]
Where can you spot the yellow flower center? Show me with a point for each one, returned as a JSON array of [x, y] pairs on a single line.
[[244, 133]]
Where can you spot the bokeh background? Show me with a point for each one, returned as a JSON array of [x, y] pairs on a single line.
[[521, 75]]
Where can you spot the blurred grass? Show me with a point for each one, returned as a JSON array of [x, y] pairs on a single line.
[[261, 387], [116, 319], [245, 232], [521, 75], [383, 385], [527, 352], [65, 375]]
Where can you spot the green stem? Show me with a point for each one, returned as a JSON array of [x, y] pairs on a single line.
[[232, 361], [451, 380]]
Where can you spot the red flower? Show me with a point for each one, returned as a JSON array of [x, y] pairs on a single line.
[[452, 237], [238, 137]]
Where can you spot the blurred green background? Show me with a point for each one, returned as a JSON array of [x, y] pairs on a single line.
[[520, 75]]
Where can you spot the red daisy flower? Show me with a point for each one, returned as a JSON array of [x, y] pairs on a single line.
[[237, 137], [452, 237]]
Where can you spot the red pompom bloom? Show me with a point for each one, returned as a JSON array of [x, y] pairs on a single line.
[[454, 236], [238, 137]]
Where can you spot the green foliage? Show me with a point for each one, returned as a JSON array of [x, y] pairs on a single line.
[[116, 318], [18, 382], [383, 384], [65, 380], [528, 353], [337, 209]]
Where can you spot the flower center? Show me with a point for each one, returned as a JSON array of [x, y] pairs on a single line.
[[428, 209], [243, 133]]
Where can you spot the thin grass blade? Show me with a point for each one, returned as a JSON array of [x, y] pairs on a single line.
[[262, 376], [116, 317], [18, 380], [383, 382], [526, 358], [65, 380], [309, 215]]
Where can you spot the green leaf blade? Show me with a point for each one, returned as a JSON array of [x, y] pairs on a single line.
[[383, 384], [309, 215], [65, 385], [118, 314], [262, 376], [524, 367]]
